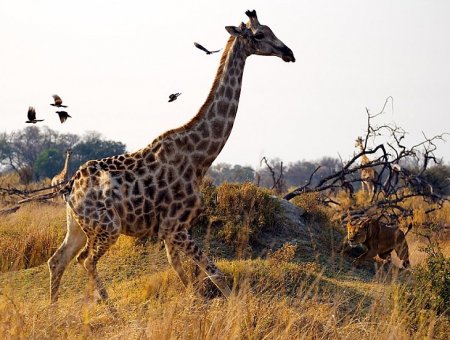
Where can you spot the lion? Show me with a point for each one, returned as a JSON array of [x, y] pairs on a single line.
[[378, 239]]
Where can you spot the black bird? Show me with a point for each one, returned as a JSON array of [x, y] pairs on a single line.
[[173, 96], [58, 101], [32, 116], [204, 49], [63, 115]]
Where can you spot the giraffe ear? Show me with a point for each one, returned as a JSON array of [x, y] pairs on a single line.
[[242, 30], [233, 30]]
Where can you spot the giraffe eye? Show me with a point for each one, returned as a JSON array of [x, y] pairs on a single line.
[[259, 35]]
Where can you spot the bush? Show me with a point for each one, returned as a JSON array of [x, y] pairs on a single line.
[[433, 279], [236, 213], [426, 297], [283, 255], [315, 210]]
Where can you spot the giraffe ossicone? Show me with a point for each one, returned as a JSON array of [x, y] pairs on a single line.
[[155, 190]]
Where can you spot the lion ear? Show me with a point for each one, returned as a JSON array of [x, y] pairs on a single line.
[[365, 223]]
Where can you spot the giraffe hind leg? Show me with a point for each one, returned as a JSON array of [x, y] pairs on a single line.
[[183, 242], [73, 242], [174, 260]]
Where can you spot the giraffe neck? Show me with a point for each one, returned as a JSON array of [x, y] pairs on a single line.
[[64, 171], [214, 122], [200, 141], [364, 158]]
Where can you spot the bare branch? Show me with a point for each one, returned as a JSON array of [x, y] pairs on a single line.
[[394, 182]]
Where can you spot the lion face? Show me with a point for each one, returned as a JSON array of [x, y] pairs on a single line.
[[356, 232]]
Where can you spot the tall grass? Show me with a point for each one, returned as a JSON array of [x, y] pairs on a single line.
[[270, 301], [29, 236]]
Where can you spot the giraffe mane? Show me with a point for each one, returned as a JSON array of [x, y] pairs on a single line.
[[209, 99]]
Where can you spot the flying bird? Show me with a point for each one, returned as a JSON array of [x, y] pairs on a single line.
[[58, 101], [32, 116], [204, 49], [63, 115], [173, 96]]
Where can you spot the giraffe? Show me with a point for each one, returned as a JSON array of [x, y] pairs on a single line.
[[63, 176], [368, 175], [155, 190]]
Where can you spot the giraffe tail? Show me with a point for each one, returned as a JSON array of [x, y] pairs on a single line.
[[40, 197], [65, 189]]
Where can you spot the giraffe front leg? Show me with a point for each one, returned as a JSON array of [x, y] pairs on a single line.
[[183, 242], [364, 186], [102, 234], [174, 259]]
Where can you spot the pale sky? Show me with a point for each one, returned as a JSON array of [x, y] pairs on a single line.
[[115, 63]]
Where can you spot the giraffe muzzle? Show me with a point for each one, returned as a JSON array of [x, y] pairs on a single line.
[[288, 55], [288, 58]]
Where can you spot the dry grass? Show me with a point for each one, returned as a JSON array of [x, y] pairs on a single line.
[[288, 295], [271, 301], [29, 236]]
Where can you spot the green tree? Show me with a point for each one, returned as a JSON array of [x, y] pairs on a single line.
[[37, 152], [49, 162], [92, 146], [224, 172]]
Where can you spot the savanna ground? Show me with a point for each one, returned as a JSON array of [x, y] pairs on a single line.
[[283, 261]]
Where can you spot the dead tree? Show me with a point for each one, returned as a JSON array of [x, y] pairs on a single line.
[[277, 180], [28, 196], [395, 182]]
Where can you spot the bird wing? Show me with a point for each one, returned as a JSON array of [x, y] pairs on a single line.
[[62, 118], [216, 51], [31, 113], [201, 47], [63, 115], [58, 100]]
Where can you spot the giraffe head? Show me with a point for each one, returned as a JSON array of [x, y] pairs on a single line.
[[68, 153], [359, 142], [259, 39]]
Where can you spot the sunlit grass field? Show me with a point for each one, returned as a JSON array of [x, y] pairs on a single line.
[[289, 280]]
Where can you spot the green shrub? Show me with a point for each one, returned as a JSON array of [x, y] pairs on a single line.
[[433, 279]]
